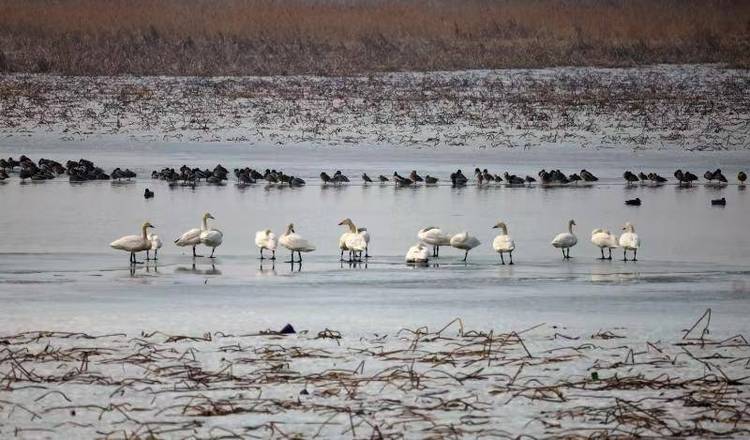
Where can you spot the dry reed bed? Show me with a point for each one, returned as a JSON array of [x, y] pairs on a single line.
[[334, 37], [687, 107], [451, 382]]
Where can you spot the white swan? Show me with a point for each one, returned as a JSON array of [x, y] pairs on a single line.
[[134, 243], [629, 241], [266, 239], [503, 242], [211, 237], [418, 254], [295, 243], [193, 236], [465, 242], [603, 239], [155, 246], [566, 240], [435, 237], [366, 236], [351, 241]]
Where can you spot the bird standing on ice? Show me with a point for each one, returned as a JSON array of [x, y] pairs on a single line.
[[155, 246], [503, 242], [434, 237], [629, 241], [351, 241], [465, 242], [266, 239], [295, 243], [134, 243], [566, 240], [603, 239], [193, 236]]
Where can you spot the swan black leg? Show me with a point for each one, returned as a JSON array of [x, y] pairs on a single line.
[[511, 257], [563, 252], [147, 256], [156, 254], [602, 251], [341, 258], [610, 254], [367, 251], [292, 259], [466, 255], [261, 254], [624, 255], [502, 260], [194, 254], [273, 255], [212, 253], [635, 254], [299, 254]]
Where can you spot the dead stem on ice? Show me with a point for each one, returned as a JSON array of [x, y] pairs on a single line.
[[447, 383], [686, 107]]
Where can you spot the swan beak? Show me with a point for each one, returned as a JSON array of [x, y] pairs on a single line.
[[341, 223], [494, 227]]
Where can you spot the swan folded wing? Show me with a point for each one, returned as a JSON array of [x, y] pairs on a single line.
[[630, 240], [503, 243], [566, 239], [265, 240], [155, 242], [211, 237], [296, 243], [189, 238], [604, 240], [355, 242], [464, 241], [131, 243], [434, 236]]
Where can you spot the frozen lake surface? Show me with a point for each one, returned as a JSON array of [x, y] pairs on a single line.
[[57, 271]]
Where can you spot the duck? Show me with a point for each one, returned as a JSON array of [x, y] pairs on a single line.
[[193, 236], [429, 180], [295, 243], [503, 242], [134, 243], [383, 179], [587, 176], [351, 240], [741, 177], [512, 179], [434, 237], [417, 254], [155, 246], [266, 240], [296, 181], [530, 180], [603, 239], [400, 180], [148, 194], [719, 202], [414, 177], [339, 177], [458, 178], [211, 237], [465, 242], [633, 202], [657, 179], [566, 240], [630, 178], [325, 178], [629, 241], [366, 178]]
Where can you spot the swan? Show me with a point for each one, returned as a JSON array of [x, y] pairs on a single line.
[[134, 243], [193, 236], [266, 239], [566, 240], [603, 239], [295, 243], [352, 240], [465, 242], [435, 237], [210, 237], [155, 246], [417, 254], [366, 236], [503, 242], [629, 241]]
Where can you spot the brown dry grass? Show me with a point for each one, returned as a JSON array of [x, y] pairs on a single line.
[[210, 37]]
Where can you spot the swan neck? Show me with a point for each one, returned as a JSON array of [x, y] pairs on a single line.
[[505, 230], [570, 227], [352, 228], [205, 223], [145, 232]]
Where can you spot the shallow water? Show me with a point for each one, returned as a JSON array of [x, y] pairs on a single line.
[[57, 271]]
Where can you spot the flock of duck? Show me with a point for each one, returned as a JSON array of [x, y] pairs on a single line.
[[85, 170], [356, 240]]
